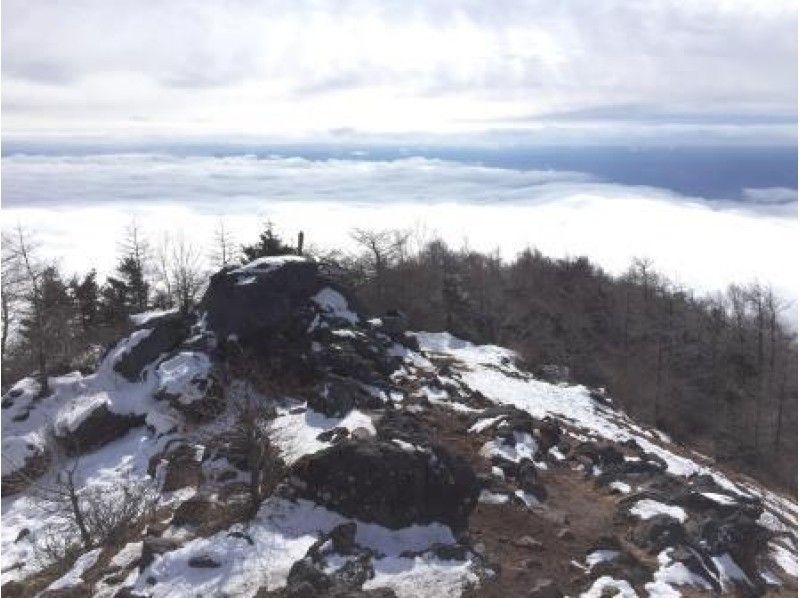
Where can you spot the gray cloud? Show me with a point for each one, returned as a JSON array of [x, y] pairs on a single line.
[[283, 66], [770, 195]]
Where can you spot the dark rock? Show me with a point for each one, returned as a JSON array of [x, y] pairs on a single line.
[[23, 533], [691, 559], [549, 434], [354, 573], [166, 334], [658, 532], [450, 552], [21, 417], [152, 546], [334, 435], [34, 466], [380, 482], [335, 397], [527, 480], [343, 537], [197, 510], [600, 395], [246, 537], [402, 425], [99, 428], [394, 323], [203, 562], [553, 372], [182, 470], [606, 543], [262, 301], [198, 410], [305, 571], [738, 534]]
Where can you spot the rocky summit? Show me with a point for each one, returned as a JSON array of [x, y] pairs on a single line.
[[280, 442]]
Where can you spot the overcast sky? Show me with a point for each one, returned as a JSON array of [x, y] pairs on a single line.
[[712, 70]]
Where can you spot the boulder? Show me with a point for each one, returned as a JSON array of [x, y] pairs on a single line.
[[202, 403], [166, 334], [203, 561], [262, 299], [737, 533], [528, 480], [354, 573], [336, 397], [334, 435], [100, 427], [305, 571], [198, 510], [402, 425], [183, 468], [380, 482], [553, 372], [394, 323], [657, 533], [343, 537]]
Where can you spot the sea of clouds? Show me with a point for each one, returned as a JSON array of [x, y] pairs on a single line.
[[78, 207]]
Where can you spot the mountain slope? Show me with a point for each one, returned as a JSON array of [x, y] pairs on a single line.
[[410, 464]]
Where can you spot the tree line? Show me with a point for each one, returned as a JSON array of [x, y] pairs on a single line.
[[718, 373]]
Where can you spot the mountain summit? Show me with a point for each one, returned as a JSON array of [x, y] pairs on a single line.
[[280, 443]]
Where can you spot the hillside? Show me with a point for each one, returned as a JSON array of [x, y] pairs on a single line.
[[278, 442]]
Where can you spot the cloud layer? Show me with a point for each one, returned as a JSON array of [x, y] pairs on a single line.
[[725, 68], [80, 205]]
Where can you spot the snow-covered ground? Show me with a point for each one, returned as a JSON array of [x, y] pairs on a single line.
[[283, 530], [491, 371]]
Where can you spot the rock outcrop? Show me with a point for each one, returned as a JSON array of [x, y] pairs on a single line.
[[388, 484]]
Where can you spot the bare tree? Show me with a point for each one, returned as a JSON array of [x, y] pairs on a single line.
[[179, 270], [186, 272], [163, 275], [12, 291], [136, 251], [247, 441], [22, 260], [383, 249], [224, 250], [89, 516]]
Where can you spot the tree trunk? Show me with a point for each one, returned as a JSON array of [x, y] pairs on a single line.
[[6, 312], [77, 514]]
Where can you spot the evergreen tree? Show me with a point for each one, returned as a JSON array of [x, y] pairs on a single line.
[[269, 243], [87, 299], [47, 326]]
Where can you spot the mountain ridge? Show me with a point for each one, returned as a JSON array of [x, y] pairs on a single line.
[[401, 461]]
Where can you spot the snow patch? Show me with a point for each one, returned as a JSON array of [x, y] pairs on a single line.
[[334, 304], [647, 508]]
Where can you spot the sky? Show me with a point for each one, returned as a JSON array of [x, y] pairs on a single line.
[[614, 129], [650, 71]]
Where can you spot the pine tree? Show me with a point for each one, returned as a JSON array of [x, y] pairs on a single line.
[[47, 326], [87, 299], [269, 243]]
